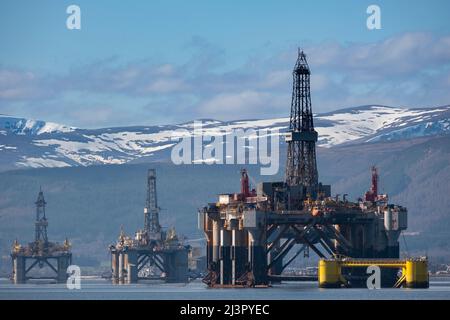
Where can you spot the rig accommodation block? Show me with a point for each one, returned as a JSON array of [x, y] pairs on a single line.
[[40, 252], [152, 247], [252, 236]]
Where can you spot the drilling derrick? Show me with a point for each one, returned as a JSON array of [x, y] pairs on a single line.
[[41, 252], [41, 221], [301, 167], [151, 210]]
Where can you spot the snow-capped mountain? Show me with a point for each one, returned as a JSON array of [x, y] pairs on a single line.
[[21, 126], [30, 143]]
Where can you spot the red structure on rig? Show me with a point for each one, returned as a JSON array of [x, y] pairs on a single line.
[[245, 187], [372, 194]]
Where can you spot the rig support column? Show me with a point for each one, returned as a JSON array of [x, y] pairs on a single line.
[[257, 256], [63, 263], [215, 247], [114, 267], [277, 267], [238, 252], [215, 241], [19, 269], [176, 266], [225, 257], [132, 274], [206, 224], [121, 276]]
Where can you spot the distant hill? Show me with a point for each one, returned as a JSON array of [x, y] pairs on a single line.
[[28, 143]]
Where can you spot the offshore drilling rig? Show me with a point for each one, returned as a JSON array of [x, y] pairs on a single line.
[[40, 252], [153, 253], [252, 236]]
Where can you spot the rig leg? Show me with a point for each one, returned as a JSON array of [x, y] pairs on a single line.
[[121, 275], [215, 242], [277, 267], [258, 257], [114, 267], [213, 259], [238, 254], [62, 263], [19, 270], [132, 261], [225, 257], [389, 276], [176, 266]]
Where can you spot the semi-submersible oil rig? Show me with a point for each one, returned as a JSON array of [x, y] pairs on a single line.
[[153, 253], [252, 236], [41, 252]]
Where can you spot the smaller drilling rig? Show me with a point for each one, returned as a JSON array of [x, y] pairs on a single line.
[[153, 254], [40, 253]]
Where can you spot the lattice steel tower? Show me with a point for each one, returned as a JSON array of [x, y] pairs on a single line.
[[151, 210], [301, 167], [41, 221]]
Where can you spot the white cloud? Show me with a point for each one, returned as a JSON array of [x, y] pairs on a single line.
[[20, 85], [411, 69], [233, 102], [164, 86], [276, 78]]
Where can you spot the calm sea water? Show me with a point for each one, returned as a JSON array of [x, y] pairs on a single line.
[[98, 289]]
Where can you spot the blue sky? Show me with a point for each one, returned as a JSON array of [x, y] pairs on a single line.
[[155, 62]]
